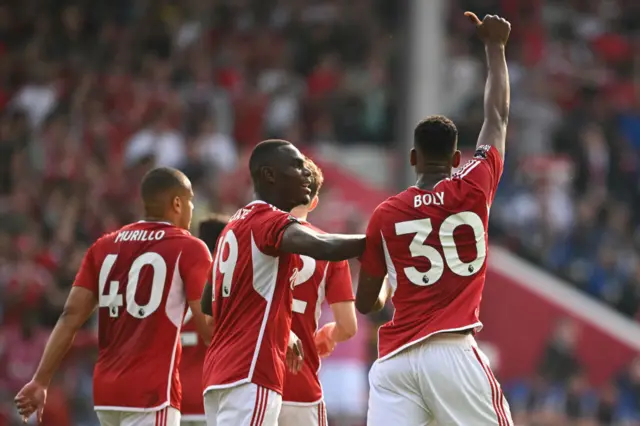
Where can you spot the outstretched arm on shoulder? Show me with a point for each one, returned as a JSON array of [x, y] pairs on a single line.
[[302, 240]]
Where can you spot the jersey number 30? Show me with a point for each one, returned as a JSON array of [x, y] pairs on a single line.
[[422, 228]]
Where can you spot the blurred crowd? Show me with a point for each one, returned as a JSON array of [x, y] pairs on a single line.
[[94, 93], [568, 195], [571, 186]]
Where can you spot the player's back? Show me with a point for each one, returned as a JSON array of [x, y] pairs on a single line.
[[315, 281], [308, 294], [138, 274], [252, 282], [435, 246]]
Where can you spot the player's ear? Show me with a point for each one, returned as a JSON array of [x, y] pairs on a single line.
[[455, 161], [413, 157], [314, 203], [176, 204], [268, 174]]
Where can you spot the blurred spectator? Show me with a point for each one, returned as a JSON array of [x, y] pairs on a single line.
[[94, 94], [559, 363], [160, 140]]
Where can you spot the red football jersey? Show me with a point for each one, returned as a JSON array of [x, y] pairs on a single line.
[[315, 281], [142, 275], [252, 300], [193, 352], [433, 246]]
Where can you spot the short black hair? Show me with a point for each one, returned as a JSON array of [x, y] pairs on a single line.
[[211, 228], [263, 154], [159, 181], [436, 137], [317, 177]]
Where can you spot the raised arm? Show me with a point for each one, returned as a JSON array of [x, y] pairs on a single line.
[[494, 32], [300, 239]]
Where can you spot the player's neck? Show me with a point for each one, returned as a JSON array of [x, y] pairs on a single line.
[[154, 218], [300, 212], [429, 178], [273, 200]]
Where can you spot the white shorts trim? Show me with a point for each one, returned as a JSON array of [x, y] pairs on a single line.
[[246, 405], [131, 409], [310, 415], [476, 326], [446, 380], [226, 385], [193, 417], [302, 404], [169, 416]]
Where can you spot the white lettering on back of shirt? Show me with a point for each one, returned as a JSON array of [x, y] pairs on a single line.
[[240, 214], [428, 199], [125, 236]]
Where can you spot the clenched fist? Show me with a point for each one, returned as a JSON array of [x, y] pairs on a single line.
[[492, 29]]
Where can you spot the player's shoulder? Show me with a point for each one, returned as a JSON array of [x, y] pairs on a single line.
[[194, 244], [111, 237], [483, 154], [256, 210], [311, 226], [394, 203]]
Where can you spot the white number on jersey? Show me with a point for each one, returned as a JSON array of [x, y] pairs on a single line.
[[113, 300], [304, 275], [422, 228], [226, 266]]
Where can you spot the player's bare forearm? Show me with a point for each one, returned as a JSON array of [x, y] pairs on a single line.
[[333, 247], [385, 293], [496, 99], [206, 299], [368, 295], [346, 323], [57, 347], [79, 306]]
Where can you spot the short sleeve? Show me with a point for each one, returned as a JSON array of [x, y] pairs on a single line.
[[87, 276], [338, 283], [195, 265], [372, 260], [483, 171], [268, 229]]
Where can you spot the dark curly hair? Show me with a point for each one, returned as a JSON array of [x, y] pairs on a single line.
[[436, 137]]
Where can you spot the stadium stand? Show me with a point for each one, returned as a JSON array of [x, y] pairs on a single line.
[[569, 195], [92, 94]]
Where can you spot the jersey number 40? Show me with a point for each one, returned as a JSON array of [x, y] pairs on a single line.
[[422, 228], [113, 300]]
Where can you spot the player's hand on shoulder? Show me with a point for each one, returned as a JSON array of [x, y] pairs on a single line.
[[492, 29], [295, 354], [31, 399]]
